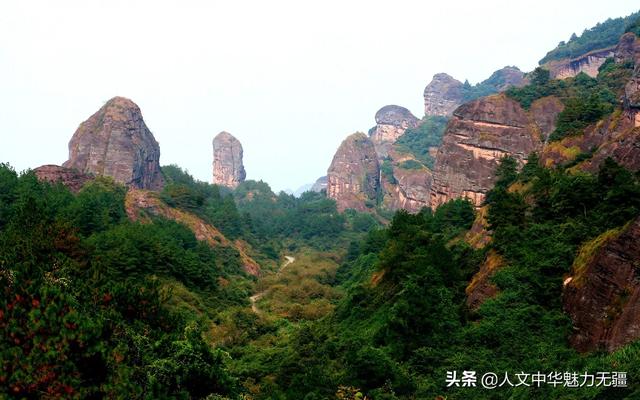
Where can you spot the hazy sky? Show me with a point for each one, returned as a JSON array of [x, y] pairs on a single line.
[[290, 79]]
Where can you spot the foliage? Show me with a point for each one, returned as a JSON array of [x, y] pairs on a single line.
[[600, 36], [586, 100], [81, 305], [386, 169], [403, 322], [311, 218], [211, 202], [417, 141], [411, 164]]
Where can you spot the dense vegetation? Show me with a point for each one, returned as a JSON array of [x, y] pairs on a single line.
[[417, 141], [311, 219], [82, 311], [600, 36], [586, 99], [96, 306], [403, 322]]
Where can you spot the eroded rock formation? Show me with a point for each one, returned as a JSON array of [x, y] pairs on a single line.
[[353, 177], [603, 294], [506, 77], [587, 63], [391, 123], [320, 184], [406, 183], [116, 142], [479, 134], [70, 178], [228, 169], [616, 136], [442, 95]]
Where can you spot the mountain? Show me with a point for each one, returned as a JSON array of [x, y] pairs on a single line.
[[228, 169], [499, 237], [479, 135], [353, 178], [444, 93], [116, 142]]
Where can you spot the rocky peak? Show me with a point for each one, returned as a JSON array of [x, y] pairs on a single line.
[[628, 48], [228, 169], [320, 184], [391, 123], [442, 95], [506, 77], [353, 177], [116, 142]]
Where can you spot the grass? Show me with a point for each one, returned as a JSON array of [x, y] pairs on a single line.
[[587, 253]]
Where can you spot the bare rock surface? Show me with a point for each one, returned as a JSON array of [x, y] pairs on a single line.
[[116, 142]]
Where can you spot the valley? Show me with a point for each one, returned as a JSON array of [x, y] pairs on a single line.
[[498, 234]]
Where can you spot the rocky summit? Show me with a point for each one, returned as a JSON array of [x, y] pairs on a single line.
[[228, 169], [116, 142], [506, 77], [353, 179], [320, 184], [391, 123], [442, 95]]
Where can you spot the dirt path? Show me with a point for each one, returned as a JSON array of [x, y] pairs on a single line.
[[254, 299]]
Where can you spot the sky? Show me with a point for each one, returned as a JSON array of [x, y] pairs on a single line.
[[289, 79]]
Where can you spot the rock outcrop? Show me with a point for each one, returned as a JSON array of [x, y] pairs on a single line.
[[442, 95], [70, 178], [320, 184], [116, 142], [603, 294], [391, 123], [587, 63], [479, 134], [141, 204], [405, 182], [506, 77], [616, 136], [228, 169], [353, 177]]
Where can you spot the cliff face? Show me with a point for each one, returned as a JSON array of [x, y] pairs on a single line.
[[116, 142], [479, 134], [442, 95], [391, 123], [228, 169], [353, 177], [406, 183], [587, 63], [617, 135], [603, 295], [70, 178]]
